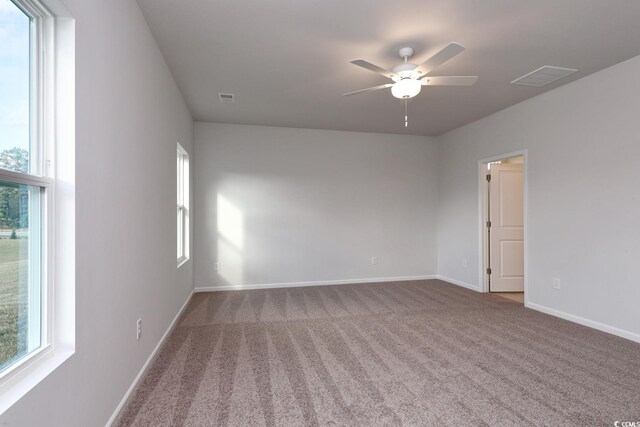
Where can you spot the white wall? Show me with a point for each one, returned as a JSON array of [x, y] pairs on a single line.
[[584, 195], [280, 205], [129, 116]]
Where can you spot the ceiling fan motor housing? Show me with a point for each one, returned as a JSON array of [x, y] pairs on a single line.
[[405, 71]]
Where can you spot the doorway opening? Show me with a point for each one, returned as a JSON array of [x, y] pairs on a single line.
[[503, 225]]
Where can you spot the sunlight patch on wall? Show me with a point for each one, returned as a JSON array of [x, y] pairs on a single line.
[[230, 223]]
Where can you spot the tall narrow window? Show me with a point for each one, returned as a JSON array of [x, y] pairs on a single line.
[[24, 186], [183, 204]]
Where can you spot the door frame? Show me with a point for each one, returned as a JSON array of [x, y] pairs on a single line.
[[482, 218]]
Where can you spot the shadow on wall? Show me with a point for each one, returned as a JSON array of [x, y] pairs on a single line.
[[230, 241]]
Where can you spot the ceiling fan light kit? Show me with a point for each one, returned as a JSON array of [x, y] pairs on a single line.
[[406, 88], [409, 78]]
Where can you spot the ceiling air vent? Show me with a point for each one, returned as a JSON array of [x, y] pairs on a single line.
[[543, 76], [227, 97]]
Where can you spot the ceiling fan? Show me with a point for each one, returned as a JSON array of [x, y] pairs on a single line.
[[409, 78]]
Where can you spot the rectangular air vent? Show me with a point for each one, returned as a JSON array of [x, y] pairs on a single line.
[[543, 76], [227, 97]]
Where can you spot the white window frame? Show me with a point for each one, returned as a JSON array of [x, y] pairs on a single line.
[[52, 168], [182, 217]]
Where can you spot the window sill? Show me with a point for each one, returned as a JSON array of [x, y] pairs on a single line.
[[28, 373]]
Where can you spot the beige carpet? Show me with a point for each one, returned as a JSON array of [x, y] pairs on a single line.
[[410, 353]]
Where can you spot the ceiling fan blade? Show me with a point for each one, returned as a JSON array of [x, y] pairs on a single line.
[[449, 81], [371, 67], [448, 52], [368, 89]]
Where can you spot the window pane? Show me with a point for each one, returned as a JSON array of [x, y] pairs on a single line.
[[179, 178], [20, 280], [14, 87], [180, 232]]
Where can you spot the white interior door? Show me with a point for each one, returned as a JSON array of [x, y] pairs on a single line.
[[506, 213]]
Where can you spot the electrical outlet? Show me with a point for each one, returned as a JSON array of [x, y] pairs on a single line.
[[374, 260], [556, 283], [138, 329], [216, 266], [465, 263]]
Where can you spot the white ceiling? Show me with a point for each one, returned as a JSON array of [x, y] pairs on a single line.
[[287, 61]]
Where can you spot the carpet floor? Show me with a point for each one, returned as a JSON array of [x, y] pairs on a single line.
[[408, 353]]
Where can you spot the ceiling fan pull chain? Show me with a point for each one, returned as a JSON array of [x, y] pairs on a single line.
[[406, 114]]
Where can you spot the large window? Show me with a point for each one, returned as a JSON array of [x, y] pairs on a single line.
[[37, 160], [182, 180], [24, 186]]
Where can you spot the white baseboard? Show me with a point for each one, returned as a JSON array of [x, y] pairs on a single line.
[[458, 283], [314, 283], [152, 356], [585, 322]]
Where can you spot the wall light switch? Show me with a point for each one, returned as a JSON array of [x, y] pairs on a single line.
[[556, 283]]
